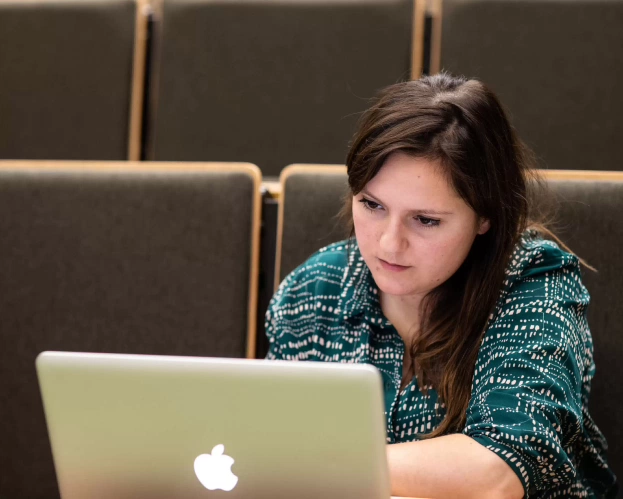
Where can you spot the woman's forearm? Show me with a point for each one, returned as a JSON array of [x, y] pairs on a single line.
[[453, 466]]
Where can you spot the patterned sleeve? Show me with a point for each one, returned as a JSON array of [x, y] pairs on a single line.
[[526, 403]]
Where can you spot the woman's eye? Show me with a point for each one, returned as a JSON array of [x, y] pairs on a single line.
[[370, 205], [427, 222]]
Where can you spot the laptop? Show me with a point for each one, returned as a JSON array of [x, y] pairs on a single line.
[[158, 427]]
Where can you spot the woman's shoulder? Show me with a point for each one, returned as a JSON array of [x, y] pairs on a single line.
[[333, 256], [319, 277], [326, 267], [537, 261], [543, 296]]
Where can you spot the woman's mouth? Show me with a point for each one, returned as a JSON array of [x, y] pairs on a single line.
[[393, 267]]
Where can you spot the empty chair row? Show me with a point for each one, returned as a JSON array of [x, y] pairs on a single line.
[[192, 80], [217, 80]]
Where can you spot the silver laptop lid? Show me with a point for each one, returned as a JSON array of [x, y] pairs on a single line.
[[134, 426]]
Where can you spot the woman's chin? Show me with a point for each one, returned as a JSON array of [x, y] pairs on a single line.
[[393, 288]]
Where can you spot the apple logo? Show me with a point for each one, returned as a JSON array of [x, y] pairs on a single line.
[[214, 470]]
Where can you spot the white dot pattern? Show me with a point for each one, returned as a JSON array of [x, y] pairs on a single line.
[[531, 381]]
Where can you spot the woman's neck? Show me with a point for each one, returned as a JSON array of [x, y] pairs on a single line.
[[404, 314]]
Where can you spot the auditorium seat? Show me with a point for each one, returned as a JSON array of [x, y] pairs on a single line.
[[68, 71], [273, 82], [116, 257], [555, 64]]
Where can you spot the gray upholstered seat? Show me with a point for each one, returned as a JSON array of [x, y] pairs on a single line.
[[66, 81], [310, 202], [589, 222], [588, 208], [556, 65], [125, 257], [273, 82]]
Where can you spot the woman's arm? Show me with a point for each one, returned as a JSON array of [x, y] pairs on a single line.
[[453, 466]]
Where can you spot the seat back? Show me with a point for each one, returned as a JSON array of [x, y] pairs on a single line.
[[311, 198], [553, 66], [116, 257], [67, 69], [589, 205], [274, 82]]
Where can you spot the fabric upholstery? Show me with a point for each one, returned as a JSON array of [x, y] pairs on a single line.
[[556, 66], [588, 221], [274, 82], [128, 262], [66, 69], [310, 216]]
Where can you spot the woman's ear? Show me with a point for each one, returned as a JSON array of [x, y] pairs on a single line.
[[483, 226]]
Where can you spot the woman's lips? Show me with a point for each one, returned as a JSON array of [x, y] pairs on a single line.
[[392, 266]]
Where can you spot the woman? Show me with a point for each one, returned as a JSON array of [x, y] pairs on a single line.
[[476, 323]]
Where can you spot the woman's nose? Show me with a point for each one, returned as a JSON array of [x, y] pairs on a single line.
[[393, 240]]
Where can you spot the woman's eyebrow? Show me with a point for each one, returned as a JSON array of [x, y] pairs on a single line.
[[367, 193]]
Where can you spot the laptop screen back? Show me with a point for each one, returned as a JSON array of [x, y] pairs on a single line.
[[130, 426]]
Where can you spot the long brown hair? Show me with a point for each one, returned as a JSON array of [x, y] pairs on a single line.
[[461, 124]]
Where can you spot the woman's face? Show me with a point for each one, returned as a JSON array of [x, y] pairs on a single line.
[[413, 229]]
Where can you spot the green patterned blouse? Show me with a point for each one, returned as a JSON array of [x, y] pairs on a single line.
[[531, 380]]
